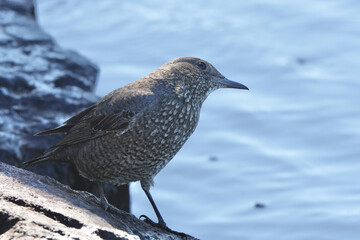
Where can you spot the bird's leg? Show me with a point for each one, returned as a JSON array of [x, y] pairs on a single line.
[[161, 223], [104, 201]]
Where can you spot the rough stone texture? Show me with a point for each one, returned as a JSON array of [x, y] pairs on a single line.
[[41, 85], [39, 207]]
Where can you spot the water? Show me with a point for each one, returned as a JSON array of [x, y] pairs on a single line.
[[292, 142]]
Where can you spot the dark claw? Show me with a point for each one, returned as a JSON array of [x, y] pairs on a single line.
[[161, 225]]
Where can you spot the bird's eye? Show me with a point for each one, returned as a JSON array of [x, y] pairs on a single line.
[[201, 65]]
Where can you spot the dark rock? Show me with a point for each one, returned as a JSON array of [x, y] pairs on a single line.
[[259, 205], [39, 207], [41, 85]]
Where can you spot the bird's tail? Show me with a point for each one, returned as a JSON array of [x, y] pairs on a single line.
[[49, 155], [35, 161]]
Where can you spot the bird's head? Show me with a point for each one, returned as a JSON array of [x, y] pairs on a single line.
[[197, 77]]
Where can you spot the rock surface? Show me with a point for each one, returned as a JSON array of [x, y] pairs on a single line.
[[39, 207], [41, 85]]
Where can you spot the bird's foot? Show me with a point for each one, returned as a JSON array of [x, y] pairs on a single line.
[[161, 225], [104, 203]]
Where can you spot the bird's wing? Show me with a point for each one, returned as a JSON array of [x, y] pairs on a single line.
[[111, 115], [64, 128]]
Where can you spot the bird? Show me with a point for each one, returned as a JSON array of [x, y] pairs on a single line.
[[134, 131]]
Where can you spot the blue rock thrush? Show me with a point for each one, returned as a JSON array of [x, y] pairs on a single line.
[[134, 131]]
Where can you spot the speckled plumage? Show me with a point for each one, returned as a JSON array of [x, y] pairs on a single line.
[[134, 131]]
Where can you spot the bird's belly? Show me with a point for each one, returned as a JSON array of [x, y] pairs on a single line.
[[140, 153], [128, 162]]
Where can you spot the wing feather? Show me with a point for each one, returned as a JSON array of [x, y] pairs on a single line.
[[111, 114]]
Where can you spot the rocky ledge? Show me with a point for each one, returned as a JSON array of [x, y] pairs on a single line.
[[39, 207]]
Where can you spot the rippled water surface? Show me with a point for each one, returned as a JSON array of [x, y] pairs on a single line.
[[292, 143]]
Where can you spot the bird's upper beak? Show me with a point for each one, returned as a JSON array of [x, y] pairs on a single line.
[[231, 84]]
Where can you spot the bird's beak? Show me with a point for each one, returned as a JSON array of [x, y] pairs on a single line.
[[231, 84]]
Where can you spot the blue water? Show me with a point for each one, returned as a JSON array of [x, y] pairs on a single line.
[[291, 143]]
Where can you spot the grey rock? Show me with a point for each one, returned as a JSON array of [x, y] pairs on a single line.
[[39, 207], [41, 85]]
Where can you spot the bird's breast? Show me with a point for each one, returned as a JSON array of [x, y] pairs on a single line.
[[163, 130]]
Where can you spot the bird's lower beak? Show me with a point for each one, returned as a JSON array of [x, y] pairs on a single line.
[[231, 84]]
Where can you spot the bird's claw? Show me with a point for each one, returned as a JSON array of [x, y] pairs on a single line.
[[161, 225], [104, 203]]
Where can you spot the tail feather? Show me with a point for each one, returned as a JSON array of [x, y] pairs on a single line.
[[60, 129], [35, 161]]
